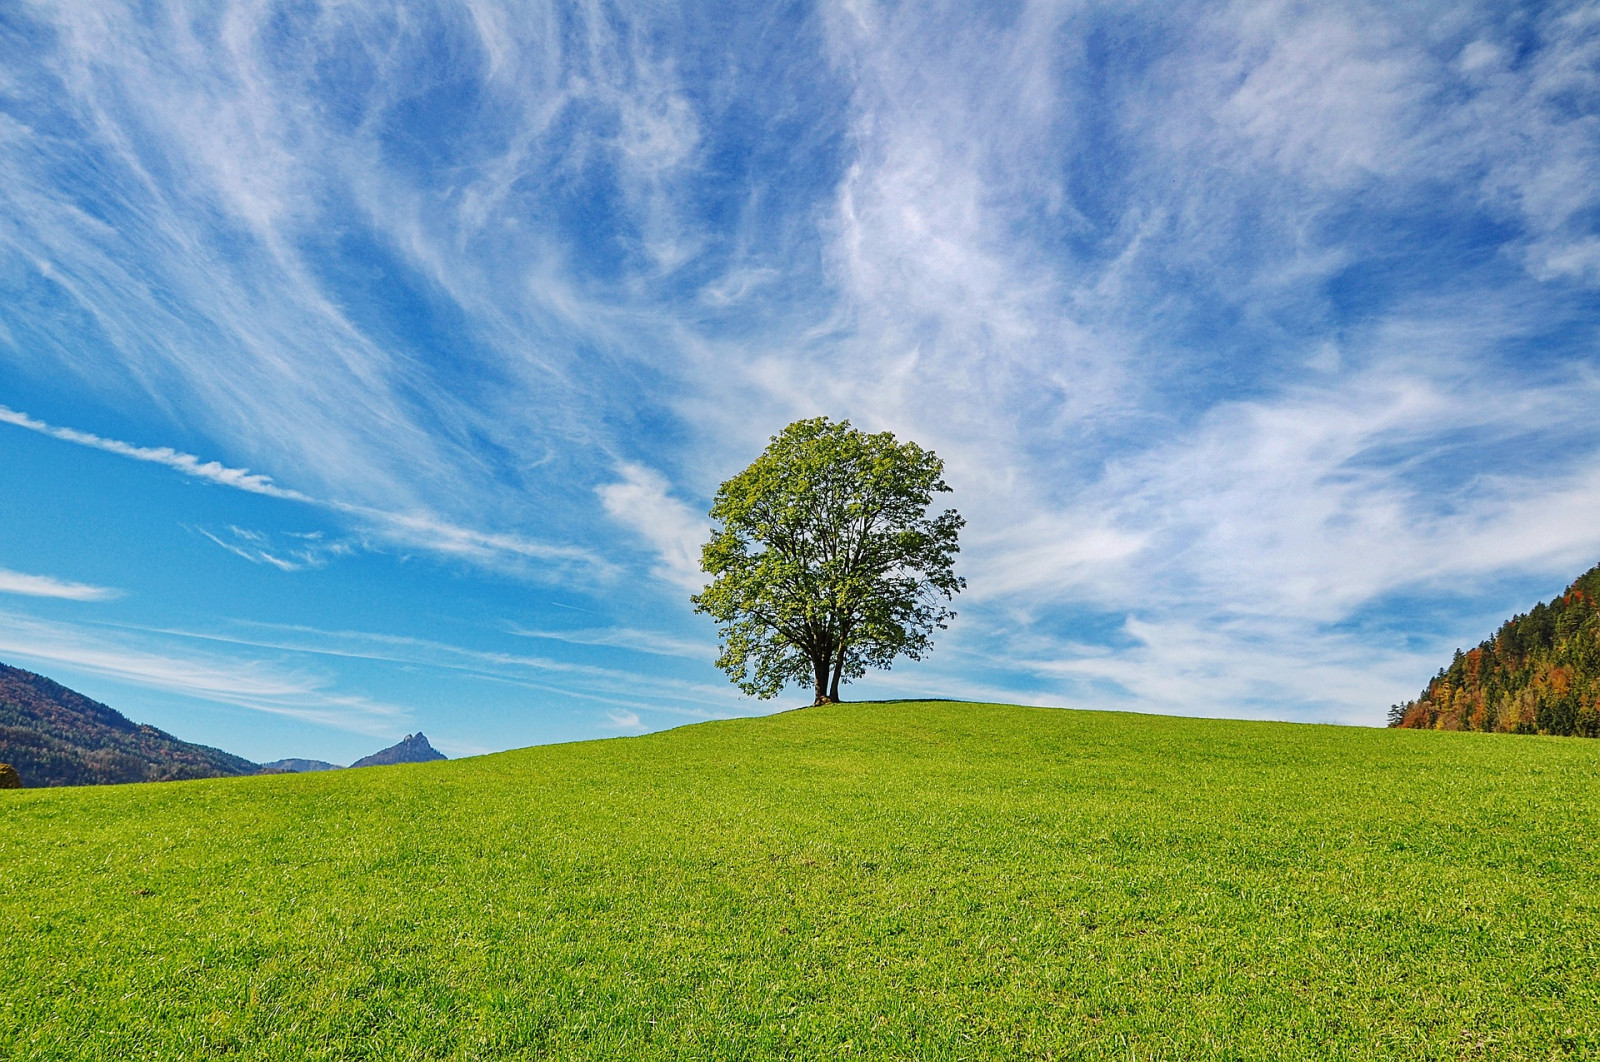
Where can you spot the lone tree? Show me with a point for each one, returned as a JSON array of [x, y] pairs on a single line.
[[827, 561]]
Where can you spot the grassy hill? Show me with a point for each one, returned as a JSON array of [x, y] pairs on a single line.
[[857, 881]]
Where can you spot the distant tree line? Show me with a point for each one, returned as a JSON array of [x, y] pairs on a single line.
[[1539, 674]]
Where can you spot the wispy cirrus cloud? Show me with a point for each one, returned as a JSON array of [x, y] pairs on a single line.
[[287, 552], [47, 586], [257, 685], [188, 464], [640, 641], [418, 529], [642, 501], [624, 720], [609, 685]]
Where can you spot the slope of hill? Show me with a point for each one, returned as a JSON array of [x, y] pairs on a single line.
[[54, 736], [1540, 673], [920, 880], [413, 748]]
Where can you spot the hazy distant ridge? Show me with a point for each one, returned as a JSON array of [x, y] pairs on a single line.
[[295, 766]]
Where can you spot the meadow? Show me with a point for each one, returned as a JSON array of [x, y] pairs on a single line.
[[906, 880]]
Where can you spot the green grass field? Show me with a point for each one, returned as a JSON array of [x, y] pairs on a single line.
[[908, 880]]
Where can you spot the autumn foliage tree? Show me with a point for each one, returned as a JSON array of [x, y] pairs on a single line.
[[828, 561], [1539, 674]]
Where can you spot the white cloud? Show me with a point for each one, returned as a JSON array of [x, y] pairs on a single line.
[[289, 552], [653, 642], [492, 548], [1310, 506], [1333, 96], [1048, 556], [1391, 101], [608, 685], [1236, 669], [416, 529], [641, 502], [44, 586], [624, 720], [188, 464]]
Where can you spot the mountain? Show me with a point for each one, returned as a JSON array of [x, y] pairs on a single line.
[[55, 736], [1539, 674], [294, 766], [414, 748]]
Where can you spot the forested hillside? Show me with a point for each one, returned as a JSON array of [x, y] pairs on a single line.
[[1539, 674], [56, 736]]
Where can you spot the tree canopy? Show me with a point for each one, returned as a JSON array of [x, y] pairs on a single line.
[[827, 561]]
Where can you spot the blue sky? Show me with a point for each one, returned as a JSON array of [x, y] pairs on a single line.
[[369, 368]]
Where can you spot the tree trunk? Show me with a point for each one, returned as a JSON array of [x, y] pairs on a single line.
[[838, 670], [819, 664]]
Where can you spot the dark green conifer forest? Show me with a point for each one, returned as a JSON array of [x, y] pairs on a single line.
[[1539, 674]]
